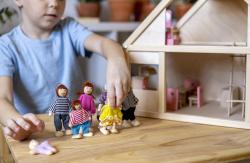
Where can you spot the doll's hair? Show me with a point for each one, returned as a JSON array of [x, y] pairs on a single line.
[[88, 83], [61, 86], [74, 103]]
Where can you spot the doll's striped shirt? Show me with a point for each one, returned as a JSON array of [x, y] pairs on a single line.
[[62, 105], [78, 117]]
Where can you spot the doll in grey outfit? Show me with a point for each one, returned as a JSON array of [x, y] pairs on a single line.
[[128, 111]]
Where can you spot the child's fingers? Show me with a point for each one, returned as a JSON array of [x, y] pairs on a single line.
[[12, 125], [22, 123], [7, 131], [111, 95], [39, 124], [31, 117], [119, 94], [126, 87]]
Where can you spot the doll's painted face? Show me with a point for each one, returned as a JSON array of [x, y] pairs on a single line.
[[88, 90], [62, 92], [77, 106]]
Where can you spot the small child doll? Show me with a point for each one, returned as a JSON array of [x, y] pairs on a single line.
[[44, 148], [87, 99], [109, 119], [61, 108], [79, 118], [128, 110]]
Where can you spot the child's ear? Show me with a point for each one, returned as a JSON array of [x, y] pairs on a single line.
[[19, 3]]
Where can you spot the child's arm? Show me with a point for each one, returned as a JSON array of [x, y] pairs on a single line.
[[118, 75], [15, 125]]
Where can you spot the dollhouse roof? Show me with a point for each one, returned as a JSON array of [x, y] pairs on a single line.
[[210, 26]]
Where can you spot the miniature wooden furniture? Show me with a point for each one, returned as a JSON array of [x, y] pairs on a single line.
[[172, 99], [211, 34], [196, 99], [170, 141], [232, 100]]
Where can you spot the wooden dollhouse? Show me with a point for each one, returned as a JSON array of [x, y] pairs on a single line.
[[214, 50]]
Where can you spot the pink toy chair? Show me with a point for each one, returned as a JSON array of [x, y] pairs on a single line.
[[172, 99], [196, 99]]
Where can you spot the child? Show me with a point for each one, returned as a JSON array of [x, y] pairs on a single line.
[[42, 52], [60, 108], [79, 117]]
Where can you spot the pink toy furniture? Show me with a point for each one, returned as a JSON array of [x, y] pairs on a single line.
[[197, 98], [172, 99]]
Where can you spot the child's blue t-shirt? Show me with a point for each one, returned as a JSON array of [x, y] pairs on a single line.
[[38, 66]]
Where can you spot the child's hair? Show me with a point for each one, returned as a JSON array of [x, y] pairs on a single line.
[[88, 83], [61, 86], [74, 103]]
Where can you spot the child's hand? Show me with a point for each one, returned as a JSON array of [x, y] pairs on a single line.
[[22, 127], [118, 81]]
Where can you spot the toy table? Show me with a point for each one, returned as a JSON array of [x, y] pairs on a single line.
[[155, 141]]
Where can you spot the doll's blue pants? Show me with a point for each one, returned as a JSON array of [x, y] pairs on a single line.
[[85, 128], [61, 119]]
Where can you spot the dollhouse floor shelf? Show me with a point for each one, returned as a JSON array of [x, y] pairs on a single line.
[[213, 110], [192, 49], [154, 141]]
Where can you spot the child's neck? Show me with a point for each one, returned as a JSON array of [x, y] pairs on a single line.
[[34, 32]]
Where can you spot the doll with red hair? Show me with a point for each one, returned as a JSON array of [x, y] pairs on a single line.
[[87, 99], [79, 118], [60, 108]]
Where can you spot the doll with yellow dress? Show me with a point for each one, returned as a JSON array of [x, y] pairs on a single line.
[[110, 118]]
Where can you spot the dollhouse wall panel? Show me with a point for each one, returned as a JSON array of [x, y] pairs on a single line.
[[155, 33], [148, 100], [144, 57], [247, 109], [162, 85], [217, 21]]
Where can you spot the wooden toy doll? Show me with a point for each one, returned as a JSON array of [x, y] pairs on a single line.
[[79, 118], [101, 102], [87, 99], [43, 148], [60, 108], [128, 110], [109, 119]]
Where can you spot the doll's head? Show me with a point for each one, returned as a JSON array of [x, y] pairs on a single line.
[[76, 105], [33, 143], [88, 88], [61, 90]]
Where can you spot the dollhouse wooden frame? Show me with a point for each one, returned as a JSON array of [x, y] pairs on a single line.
[[211, 28]]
